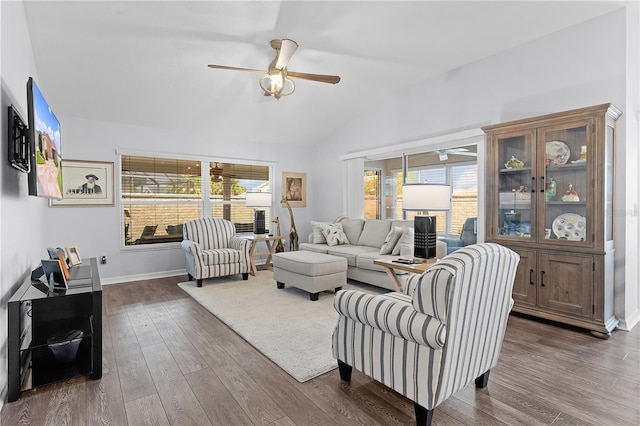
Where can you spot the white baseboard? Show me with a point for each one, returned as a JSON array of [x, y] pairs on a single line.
[[630, 322], [140, 277]]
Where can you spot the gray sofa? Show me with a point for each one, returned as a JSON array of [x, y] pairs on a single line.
[[366, 238]]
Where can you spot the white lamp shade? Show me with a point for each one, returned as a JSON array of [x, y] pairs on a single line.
[[424, 197], [258, 199]]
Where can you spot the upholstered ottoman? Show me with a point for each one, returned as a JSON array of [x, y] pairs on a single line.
[[309, 271]]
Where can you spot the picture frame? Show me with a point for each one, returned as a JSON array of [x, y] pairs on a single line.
[[73, 257], [62, 258], [54, 266], [86, 183], [294, 188]]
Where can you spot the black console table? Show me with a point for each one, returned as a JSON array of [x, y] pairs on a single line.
[[35, 314]]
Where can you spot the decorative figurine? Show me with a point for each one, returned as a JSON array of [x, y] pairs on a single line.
[[514, 163], [583, 153], [293, 233], [550, 190], [571, 195], [279, 245]]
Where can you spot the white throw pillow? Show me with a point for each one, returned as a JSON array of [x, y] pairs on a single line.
[[405, 238], [318, 236], [334, 234], [392, 239]]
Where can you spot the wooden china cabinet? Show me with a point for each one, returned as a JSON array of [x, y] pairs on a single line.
[[550, 199]]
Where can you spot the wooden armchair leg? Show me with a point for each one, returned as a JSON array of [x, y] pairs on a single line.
[[423, 416], [345, 371], [483, 381]]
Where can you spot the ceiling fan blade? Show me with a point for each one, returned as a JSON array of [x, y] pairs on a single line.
[[333, 79], [224, 67], [287, 49]]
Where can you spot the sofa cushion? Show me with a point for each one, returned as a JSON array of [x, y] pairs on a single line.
[[352, 229], [392, 238], [374, 233], [318, 236], [405, 239], [334, 234], [351, 253]]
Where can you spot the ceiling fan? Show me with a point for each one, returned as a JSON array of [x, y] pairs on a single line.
[[443, 154], [217, 173], [275, 81]]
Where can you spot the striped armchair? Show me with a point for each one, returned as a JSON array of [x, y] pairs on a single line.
[[212, 250], [444, 331]]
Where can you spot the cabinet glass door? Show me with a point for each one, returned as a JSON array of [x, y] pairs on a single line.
[[567, 186], [515, 186]]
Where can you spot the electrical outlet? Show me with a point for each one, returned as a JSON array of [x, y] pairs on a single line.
[[103, 260]]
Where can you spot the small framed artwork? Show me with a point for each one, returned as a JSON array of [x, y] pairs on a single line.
[[62, 258], [73, 257], [294, 188], [86, 183]]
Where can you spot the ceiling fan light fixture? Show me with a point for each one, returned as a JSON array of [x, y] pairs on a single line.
[[276, 83]]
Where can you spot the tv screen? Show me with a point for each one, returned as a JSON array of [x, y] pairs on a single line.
[[45, 176]]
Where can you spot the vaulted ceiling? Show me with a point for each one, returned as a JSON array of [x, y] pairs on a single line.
[[145, 63]]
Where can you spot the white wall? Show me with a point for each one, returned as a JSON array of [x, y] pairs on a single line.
[[578, 67], [95, 230], [21, 216]]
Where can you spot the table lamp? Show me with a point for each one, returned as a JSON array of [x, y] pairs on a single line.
[[425, 197], [258, 199]]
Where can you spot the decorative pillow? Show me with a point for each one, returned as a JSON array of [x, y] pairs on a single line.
[[334, 234], [318, 236], [392, 238], [405, 238]]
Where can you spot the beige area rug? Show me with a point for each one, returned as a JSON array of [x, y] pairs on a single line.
[[283, 324]]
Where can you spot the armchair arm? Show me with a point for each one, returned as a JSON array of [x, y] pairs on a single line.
[[429, 291], [391, 313], [192, 248], [452, 242], [241, 244]]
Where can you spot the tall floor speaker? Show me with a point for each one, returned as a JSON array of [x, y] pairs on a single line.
[[259, 226], [424, 240]]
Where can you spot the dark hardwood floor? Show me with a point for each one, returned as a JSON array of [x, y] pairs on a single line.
[[167, 360]]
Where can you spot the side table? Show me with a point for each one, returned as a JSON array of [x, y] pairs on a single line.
[[270, 241], [414, 268]]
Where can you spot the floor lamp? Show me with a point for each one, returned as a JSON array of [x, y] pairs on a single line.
[[258, 199], [425, 197]]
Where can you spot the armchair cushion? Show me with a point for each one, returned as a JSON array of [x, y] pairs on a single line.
[[391, 313]]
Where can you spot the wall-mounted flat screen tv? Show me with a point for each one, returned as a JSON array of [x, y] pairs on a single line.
[[45, 176]]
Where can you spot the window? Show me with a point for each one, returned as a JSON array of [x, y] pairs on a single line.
[[372, 199], [160, 194], [229, 184], [456, 167], [463, 179]]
